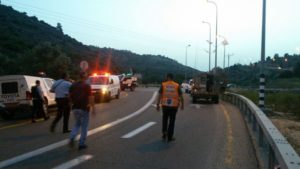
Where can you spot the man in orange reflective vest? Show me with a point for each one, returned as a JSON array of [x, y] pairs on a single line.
[[170, 97]]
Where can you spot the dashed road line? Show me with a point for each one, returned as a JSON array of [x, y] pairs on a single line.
[[53, 146], [197, 106], [74, 162], [139, 130]]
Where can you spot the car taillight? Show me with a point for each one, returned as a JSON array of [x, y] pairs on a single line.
[[28, 95]]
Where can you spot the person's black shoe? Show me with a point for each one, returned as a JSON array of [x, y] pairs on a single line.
[[81, 147], [66, 131], [171, 139], [46, 118], [71, 143]]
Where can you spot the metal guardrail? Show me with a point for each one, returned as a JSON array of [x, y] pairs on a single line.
[[274, 151]]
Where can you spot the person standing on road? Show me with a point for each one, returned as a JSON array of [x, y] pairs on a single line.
[[61, 89], [38, 102], [170, 97], [83, 102]]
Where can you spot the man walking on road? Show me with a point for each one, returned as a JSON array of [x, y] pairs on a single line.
[[61, 89], [83, 102], [170, 97]]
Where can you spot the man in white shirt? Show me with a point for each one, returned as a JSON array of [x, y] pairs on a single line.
[[61, 89], [38, 102]]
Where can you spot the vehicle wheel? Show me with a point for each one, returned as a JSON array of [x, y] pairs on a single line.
[[97, 99], [132, 88], [118, 95], [194, 99], [216, 99], [107, 98]]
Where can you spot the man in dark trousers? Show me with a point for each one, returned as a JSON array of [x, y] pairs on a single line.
[[83, 102], [170, 97], [38, 102], [61, 89]]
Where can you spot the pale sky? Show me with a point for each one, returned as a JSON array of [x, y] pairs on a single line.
[[166, 27]]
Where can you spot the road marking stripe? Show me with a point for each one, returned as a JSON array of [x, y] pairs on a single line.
[[229, 137], [15, 125], [22, 123], [53, 146], [74, 162], [197, 106], [138, 130], [154, 105]]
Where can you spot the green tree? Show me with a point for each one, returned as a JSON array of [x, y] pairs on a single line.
[[59, 27], [297, 69]]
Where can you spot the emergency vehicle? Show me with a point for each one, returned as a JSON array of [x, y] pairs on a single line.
[[15, 93], [104, 86]]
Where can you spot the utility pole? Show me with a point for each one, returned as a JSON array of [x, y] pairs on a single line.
[[262, 82]]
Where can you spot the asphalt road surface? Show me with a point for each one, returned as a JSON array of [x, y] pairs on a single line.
[[126, 134]]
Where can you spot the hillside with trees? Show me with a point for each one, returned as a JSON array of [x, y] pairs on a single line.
[[281, 72], [29, 46]]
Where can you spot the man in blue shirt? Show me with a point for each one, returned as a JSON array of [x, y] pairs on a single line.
[[61, 89]]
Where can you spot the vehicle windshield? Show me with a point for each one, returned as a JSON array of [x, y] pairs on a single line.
[[98, 80]]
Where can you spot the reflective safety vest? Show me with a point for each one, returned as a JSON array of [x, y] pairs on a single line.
[[170, 95]]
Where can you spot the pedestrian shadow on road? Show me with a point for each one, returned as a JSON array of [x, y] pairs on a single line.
[[155, 146]]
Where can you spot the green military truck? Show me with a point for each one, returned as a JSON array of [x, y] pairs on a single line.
[[206, 87]]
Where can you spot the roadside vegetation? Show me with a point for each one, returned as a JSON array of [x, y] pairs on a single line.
[[286, 103]]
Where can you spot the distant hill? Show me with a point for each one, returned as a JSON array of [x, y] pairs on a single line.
[[281, 72], [28, 46]]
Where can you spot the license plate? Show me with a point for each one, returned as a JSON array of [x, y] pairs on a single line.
[[9, 99]]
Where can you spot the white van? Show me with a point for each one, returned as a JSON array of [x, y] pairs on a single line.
[[15, 91], [105, 87]]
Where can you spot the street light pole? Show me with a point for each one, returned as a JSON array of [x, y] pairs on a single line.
[[216, 43], [209, 44], [225, 42], [186, 60], [262, 75], [229, 55]]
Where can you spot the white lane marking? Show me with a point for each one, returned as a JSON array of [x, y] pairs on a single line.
[[138, 130], [53, 146], [74, 162], [197, 106], [154, 105]]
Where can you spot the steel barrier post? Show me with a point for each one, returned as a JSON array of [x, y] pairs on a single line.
[[254, 123], [271, 164], [260, 137]]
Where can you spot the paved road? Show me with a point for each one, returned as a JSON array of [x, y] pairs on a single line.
[[208, 136]]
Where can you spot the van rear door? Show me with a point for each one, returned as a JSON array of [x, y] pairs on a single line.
[[9, 92]]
